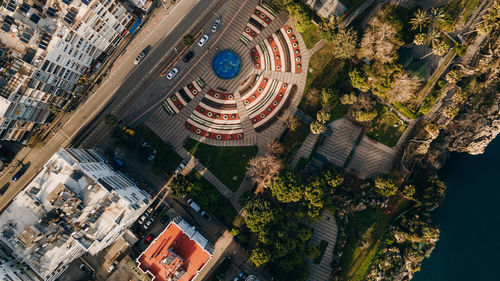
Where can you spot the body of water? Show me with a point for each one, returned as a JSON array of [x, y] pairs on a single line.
[[469, 219]]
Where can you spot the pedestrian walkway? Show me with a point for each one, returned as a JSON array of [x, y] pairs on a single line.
[[371, 159], [305, 149], [340, 138], [323, 230]]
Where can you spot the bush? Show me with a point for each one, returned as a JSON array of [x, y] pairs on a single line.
[[322, 247], [188, 39]]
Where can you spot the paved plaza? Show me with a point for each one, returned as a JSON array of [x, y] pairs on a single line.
[[238, 111]]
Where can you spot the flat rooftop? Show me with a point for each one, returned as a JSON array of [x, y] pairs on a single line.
[[178, 253]]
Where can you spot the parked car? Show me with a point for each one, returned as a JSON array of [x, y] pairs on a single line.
[[203, 40], [165, 219], [85, 268], [148, 239], [181, 166], [18, 175], [216, 25], [139, 58], [188, 56], [142, 219], [206, 215], [113, 266], [172, 73], [149, 223], [243, 275], [193, 205]]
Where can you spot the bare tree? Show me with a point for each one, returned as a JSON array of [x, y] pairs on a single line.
[[263, 169], [404, 88], [275, 148], [379, 41]]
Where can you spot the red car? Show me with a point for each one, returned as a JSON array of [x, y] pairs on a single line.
[[148, 239]]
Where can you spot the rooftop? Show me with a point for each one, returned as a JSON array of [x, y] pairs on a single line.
[[73, 205], [178, 253]]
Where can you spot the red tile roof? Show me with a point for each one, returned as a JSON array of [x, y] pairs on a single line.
[[186, 254]]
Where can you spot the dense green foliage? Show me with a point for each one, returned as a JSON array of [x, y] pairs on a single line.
[[205, 195], [385, 186], [281, 219]]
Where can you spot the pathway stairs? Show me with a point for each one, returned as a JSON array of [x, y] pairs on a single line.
[[339, 142], [371, 158], [324, 229], [305, 149]]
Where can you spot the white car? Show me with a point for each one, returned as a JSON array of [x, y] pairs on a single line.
[[203, 40], [112, 267], [148, 224], [181, 166], [142, 219], [216, 25], [172, 73], [139, 58]]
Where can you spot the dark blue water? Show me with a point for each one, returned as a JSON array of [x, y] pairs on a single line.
[[226, 64], [469, 219]]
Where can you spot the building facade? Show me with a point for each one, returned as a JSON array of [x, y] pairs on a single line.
[[77, 204]]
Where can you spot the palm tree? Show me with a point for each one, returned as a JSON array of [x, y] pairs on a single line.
[[433, 37], [419, 20], [437, 16]]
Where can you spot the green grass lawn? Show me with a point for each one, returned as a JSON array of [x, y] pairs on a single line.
[[311, 35], [364, 233], [209, 199], [166, 159], [463, 8], [325, 71], [227, 163], [291, 141], [387, 128]]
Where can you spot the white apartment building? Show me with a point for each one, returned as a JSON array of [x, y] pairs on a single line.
[[76, 204], [21, 106], [61, 40]]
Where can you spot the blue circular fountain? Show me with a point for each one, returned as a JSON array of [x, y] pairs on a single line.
[[226, 64]]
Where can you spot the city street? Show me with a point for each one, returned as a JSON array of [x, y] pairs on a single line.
[[161, 32]]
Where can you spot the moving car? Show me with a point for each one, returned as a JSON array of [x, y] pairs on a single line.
[[139, 58], [203, 40], [216, 25], [188, 56], [181, 166], [172, 73]]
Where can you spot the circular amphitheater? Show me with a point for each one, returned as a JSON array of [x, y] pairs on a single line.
[[252, 74]]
